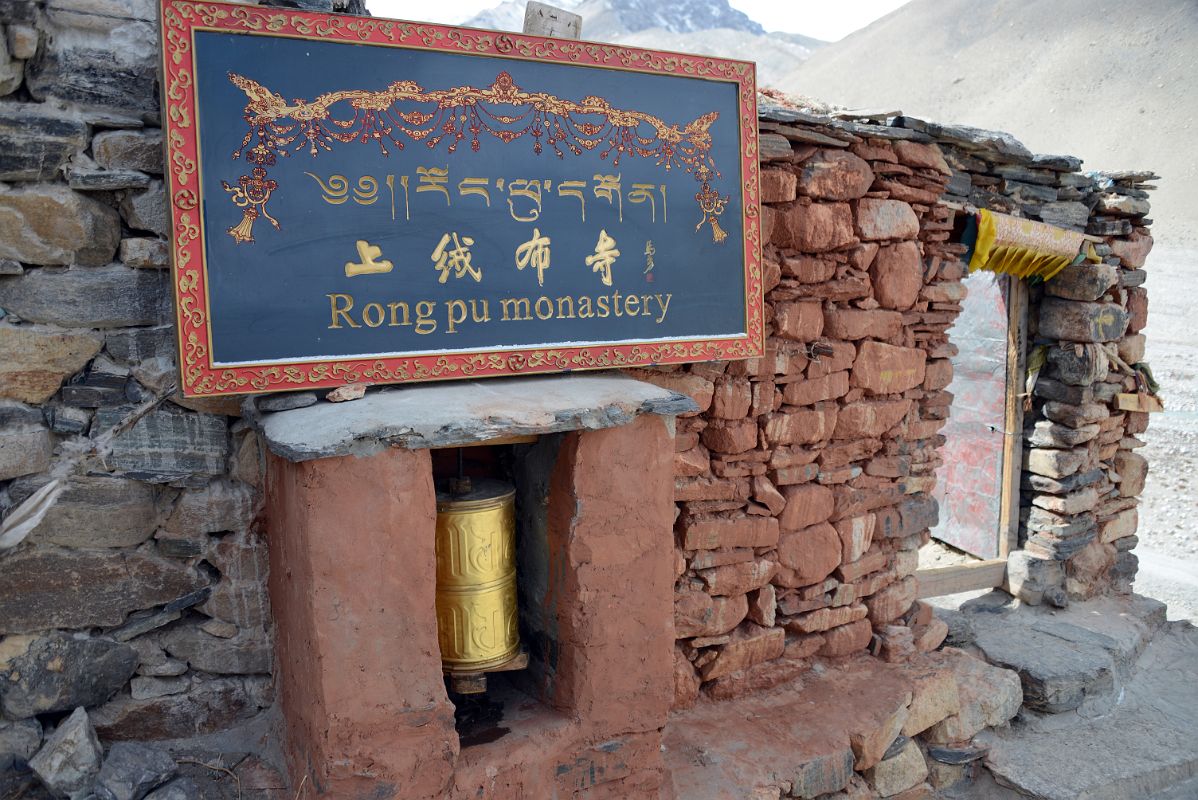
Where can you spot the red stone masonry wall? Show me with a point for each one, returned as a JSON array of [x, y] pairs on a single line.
[[802, 485]]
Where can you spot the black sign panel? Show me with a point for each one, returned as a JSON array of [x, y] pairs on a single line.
[[395, 202]]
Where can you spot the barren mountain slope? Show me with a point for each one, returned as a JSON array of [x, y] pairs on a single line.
[[1114, 82], [710, 27]]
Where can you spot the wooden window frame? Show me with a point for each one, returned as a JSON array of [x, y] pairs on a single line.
[[992, 573]]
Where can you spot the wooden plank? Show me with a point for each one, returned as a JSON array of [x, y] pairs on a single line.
[[1139, 402], [970, 208], [521, 439], [1008, 520], [969, 577]]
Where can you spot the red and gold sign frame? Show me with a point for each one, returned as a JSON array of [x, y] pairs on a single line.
[[181, 19]]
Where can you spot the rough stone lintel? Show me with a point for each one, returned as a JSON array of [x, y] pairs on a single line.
[[465, 412]]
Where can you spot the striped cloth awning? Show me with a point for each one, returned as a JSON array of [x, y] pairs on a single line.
[[1025, 248]]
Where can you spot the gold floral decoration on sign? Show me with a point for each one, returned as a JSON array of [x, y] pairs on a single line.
[[405, 113]]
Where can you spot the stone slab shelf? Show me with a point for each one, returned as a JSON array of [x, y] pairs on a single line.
[[465, 412]]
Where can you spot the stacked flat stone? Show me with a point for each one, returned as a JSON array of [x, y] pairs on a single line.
[[1081, 474], [803, 484], [141, 596]]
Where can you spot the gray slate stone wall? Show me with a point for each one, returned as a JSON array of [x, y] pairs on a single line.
[[1082, 476], [141, 596]]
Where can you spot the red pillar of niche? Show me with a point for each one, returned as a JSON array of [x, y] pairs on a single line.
[[352, 584], [611, 516]]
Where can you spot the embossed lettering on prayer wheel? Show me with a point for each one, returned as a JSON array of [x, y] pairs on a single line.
[[476, 577]]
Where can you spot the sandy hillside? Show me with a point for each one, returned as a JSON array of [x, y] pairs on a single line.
[[710, 27], [1112, 81], [776, 54]]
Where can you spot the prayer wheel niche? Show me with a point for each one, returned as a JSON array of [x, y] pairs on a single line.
[[476, 601]]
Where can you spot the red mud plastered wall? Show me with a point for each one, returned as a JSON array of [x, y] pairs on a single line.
[[803, 485]]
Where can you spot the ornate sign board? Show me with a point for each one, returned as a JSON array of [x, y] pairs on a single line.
[[360, 200]]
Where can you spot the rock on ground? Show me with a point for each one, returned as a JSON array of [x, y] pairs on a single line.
[[1146, 745]]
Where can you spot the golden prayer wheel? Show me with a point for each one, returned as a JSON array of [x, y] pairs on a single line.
[[476, 576]]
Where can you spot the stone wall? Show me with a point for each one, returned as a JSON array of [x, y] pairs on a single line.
[[1081, 475], [803, 485], [141, 595]]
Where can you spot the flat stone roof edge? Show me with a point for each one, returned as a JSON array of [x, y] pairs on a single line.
[[460, 413]]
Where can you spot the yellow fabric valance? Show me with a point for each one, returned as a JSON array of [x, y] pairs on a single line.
[[1026, 248]]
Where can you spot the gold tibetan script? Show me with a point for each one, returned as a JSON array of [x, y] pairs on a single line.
[[466, 113]]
